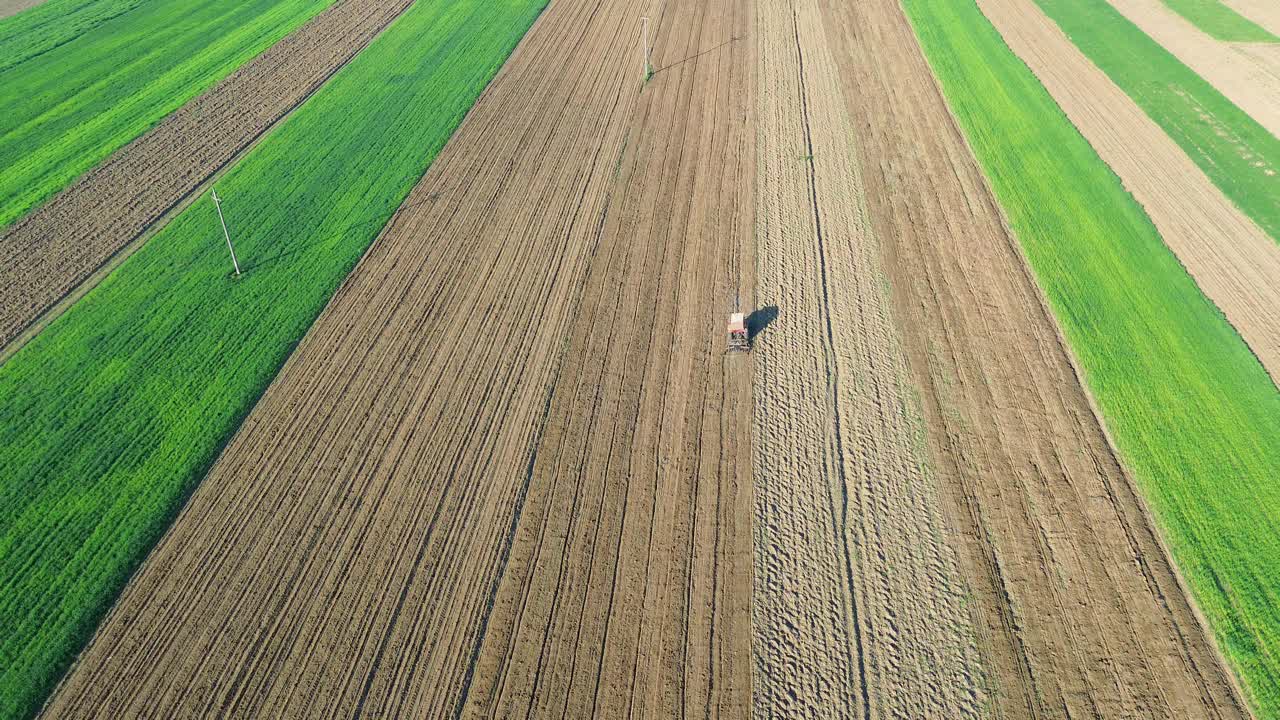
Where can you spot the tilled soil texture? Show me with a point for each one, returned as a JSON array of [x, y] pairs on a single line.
[[1078, 609], [508, 471], [1232, 260], [1244, 78], [859, 605], [55, 249]]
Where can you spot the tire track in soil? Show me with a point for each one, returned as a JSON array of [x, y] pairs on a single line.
[[859, 602], [1079, 611], [381, 536], [60, 249]]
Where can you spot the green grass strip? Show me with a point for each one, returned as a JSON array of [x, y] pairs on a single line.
[[1195, 416], [1220, 21], [78, 85], [110, 416], [1237, 153], [51, 23]]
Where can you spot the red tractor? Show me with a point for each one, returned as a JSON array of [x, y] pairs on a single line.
[[739, 338]]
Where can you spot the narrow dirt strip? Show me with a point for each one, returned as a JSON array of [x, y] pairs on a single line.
[[859, 599], [1230, 258], [61, 246], [1244, 78], [1264, 12]]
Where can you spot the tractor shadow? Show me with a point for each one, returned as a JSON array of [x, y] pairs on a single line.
[[761, 319]]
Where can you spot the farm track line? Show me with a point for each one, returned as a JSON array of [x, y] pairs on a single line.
[[1232, 260], [1079, 611], [64, 246], [859, 602], [398, 525], [1245, 79]]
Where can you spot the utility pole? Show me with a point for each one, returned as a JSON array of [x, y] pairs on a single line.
[[648, 69], [225, 234]]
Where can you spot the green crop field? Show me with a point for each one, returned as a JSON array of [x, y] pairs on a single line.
[[53, 23], [1220, 21], [1194, 414], [1229, 146], [111, 415], [79, 83]]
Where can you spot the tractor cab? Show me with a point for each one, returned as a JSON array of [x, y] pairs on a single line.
[[739, 339]]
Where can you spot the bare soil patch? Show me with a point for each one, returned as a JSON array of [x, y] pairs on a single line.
[[1078, 609], [627, 589], [62, 244], [859, 606], [13, 7]]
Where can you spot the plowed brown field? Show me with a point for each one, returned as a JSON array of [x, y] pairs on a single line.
[[508, 470], [859, 606], [1245, 78], [1078, 610], [78, 233], [1231, 259]]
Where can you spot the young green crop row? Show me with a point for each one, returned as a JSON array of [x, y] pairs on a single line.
[[77, 86], [1239, 155], [1220, 21], [110, 416], [1194, 414]]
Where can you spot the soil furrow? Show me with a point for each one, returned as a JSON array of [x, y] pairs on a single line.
[[619, 606]]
